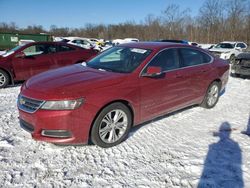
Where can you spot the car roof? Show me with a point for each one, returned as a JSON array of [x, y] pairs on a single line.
[[153, 45], [232, 42], [51, 42], [172, 40], [75, 38]]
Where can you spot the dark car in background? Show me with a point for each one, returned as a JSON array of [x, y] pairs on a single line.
[[241, 65], [22, 62], [173, 41], [123, 86]]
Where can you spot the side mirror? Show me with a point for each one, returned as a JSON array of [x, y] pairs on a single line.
[[153, 71], [238, 48], [20, 55]]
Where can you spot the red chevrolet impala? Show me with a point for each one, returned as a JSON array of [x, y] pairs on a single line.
[[100, 100], [22, 62]]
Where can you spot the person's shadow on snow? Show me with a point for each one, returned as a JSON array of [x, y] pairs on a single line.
[[222, 167], [247, 132]]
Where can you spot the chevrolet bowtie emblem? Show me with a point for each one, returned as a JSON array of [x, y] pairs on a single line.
[[22, 101]]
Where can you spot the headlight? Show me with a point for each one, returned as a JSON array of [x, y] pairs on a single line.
[[62, 105], [226, 52], [237, 62]]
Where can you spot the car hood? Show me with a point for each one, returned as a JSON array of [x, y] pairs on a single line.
[[70, 82], [221, 50]]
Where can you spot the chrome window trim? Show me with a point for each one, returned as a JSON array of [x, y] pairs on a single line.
[[210, 62], [18, 104]]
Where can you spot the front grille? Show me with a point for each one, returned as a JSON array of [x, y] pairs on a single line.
[[28, 105], [217, 54], [26, 126]]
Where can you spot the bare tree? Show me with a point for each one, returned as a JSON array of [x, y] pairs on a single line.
[[236, 10], [211, 20], [174, 20]]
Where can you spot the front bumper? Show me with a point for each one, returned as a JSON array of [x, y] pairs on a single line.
[[225, 56], [62, 127], [239, 69]]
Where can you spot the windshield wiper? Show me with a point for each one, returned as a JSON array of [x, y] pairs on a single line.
[[106, 69], [101, 68]]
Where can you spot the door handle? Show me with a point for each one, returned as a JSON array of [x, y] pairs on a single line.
[[179, 76], [204, 70]]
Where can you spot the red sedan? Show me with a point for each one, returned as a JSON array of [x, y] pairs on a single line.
[[22, 62], [124, 86]]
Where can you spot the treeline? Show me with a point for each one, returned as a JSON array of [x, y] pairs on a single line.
[[216, 21]]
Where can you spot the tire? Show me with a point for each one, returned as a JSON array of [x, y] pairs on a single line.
[[107, 130], [232, 59], [212, 96], [235, 75], [4, 79]]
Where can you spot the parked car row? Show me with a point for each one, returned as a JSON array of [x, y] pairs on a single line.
[[241, 65], [122, 41], [228, 50], [22, 62]]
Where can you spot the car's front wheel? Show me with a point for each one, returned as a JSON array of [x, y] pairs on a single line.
[[232, 59], [4, 79], [112, 125], [212, 95]]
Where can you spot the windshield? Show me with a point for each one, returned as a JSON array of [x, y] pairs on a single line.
[[119, 59], [9, 52], [225, 45]]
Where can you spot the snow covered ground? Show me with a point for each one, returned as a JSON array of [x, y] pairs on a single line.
[[194, 147]]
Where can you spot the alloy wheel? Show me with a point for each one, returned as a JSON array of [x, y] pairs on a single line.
[[113, 126], [2, 79], [213, 94]]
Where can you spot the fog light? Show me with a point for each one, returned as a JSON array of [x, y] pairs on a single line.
[[56, 133]]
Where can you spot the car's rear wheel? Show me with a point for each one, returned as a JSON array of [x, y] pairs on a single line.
[[112, 125], [212, 95], [4, 79]]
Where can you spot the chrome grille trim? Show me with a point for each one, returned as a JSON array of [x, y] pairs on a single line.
[[245, 63], [217, 54], [29, 105]]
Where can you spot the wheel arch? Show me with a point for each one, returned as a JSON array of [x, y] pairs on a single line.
[[125, 102], [217, 80]]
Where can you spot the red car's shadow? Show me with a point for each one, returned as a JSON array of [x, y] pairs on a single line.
[[137, 127]]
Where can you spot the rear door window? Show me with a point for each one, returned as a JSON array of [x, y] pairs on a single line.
[[192, 57], [241, 45]]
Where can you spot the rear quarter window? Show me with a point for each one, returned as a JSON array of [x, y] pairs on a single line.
[[64, 48]]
